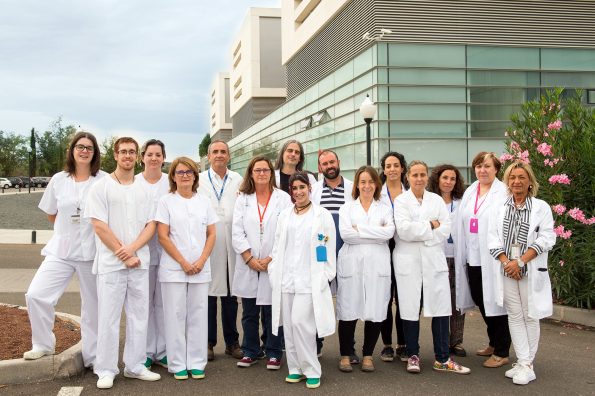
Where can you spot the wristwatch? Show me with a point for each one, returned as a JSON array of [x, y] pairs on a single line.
[[520, 262]]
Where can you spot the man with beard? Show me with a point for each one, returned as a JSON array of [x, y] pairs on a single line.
[[331, 193], [122, 218]]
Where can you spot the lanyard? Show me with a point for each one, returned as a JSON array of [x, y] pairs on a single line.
[[390, 198], [476, 208], [220, 194], [261, 216]]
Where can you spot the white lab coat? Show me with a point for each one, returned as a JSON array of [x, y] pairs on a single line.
[[278, 178], [223, 255], [384, 195], [248, 283], [321, 273], [495, 197], [363, 265], [418, 256], [541, 230], [316, 194]]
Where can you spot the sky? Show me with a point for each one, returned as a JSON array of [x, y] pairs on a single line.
[[140, 68]]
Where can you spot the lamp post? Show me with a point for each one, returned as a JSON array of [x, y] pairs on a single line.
[[29, 152], [368, 111]]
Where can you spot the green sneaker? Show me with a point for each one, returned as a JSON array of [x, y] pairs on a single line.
[[312, 383], [295, 378], [162, 362], [148, 363], [181, 375], [197, 374]]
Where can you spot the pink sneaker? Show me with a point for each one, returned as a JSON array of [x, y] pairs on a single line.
[[274, 364]]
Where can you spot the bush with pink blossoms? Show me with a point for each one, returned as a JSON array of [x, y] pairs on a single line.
[[556, 137]]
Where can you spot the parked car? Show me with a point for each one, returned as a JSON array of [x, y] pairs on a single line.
[[5, 183], [25, 180], [39, 182], [16, 181]]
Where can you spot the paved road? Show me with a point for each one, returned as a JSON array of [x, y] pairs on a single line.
[[564, 363]]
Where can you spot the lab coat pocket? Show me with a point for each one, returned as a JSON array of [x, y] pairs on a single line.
[[345, 263], [404, 262], [542, 279], [439, 261]]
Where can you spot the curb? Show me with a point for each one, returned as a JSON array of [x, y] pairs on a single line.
[[577, 316], [64, 365]]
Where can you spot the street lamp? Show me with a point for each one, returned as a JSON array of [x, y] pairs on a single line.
[[368, 111], [29, 152]]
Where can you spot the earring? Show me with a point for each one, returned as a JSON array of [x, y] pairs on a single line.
[[531, 187]]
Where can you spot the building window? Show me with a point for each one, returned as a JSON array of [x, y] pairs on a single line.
[[305, 123]]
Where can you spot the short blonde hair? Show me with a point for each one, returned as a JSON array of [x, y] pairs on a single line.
[[172, 171], [533, 184]]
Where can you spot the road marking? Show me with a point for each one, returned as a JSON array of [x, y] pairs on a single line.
[[70, 391]]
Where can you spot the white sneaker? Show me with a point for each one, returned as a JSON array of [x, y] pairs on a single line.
[[144, 375], [105, 382], [35, 354], [510, 373], [524, 375]]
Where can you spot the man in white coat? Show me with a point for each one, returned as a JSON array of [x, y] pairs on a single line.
[[331, 193], [122, 218], [220, 185]]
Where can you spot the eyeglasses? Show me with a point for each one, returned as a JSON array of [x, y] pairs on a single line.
[[129, 152], [81, 148], [184, 173], [263, 171]]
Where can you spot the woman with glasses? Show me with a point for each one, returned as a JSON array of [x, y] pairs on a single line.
[[255, 219], [157, 184], [303, 265], [70, 250], [186, 229]]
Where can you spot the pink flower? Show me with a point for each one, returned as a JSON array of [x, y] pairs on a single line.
[[561, 178], [559, 209], [549, 163], [554, 126], [524, 156], [535, 141], [545, 149], [545, 134], [590, 221], [506, 157], [562, 233], [514, 146], [577, 214], [561, 263]]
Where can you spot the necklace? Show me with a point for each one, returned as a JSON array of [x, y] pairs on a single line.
[[299, 209], [116, 176]]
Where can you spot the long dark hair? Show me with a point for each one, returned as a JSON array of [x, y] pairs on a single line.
[[300, 165], [434, 183], [403, 163], [70, 165]]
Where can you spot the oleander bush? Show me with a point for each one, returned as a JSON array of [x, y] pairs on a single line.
[[556, 136]]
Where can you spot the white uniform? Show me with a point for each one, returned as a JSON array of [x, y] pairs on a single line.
[[304, 299], [156, 326], [223, 256], [385, 195], [418, 256], [246, 235], [126, 210], [363, 265], [473, 248], [185, 297], [71, 249]]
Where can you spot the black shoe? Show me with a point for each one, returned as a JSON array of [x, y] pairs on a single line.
[[458, 350], [387, 354], [401, 353]]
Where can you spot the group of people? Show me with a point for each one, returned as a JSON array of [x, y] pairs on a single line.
[[165, 246]]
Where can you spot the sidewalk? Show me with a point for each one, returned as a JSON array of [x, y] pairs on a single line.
[[24, 236]]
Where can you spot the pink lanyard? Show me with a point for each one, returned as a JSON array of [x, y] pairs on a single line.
[[476, 208]]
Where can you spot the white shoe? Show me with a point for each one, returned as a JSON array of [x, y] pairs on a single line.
[[510, 373], [35, 354], [105, 382], [524, 375], [144, 375]]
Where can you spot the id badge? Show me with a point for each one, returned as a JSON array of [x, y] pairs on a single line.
[[515, 251], [321, 254], [75, 219], [473, 225], [220, 212]]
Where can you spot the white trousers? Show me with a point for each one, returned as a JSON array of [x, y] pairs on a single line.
[[524, 331], [156, 326], [186, 325], [46, 288], [128, 288], [299, 330]]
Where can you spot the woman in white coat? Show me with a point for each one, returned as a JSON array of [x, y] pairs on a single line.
[[70, 250], [521, 234], [303, 265], [474, 269], [422, 226], [186, 229], [255, 219], [363, 266], [157, 183]]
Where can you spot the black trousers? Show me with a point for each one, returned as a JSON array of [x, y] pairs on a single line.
[[387, 325], [498, 331], [347, 333]]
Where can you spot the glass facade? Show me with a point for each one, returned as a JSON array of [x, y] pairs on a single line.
[[437, 103]]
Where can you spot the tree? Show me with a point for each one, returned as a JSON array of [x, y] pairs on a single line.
[[13, 153], [203, 148], [33, 162], [108, 162], [53, 146]]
